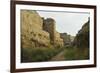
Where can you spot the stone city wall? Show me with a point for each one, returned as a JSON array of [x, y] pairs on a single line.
[[32, 33], [38, 32]]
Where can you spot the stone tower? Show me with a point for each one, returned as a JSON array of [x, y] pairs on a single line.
[[49, 26]]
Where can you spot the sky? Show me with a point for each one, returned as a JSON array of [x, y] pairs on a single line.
[[66, 22]]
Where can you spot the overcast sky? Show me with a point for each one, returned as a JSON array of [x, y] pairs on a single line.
[[69, 22]]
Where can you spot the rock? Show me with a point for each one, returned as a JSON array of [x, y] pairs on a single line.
[[82, 38], [32, 33], [50, 26], [38, 32], [67, 39]]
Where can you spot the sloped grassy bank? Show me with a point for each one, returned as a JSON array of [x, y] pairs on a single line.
[[38, 54], [45, 54]]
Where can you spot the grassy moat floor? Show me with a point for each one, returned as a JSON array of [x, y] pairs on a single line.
[[54, 54]]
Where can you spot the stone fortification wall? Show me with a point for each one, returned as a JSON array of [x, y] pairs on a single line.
[[32, 33], [38, 32], [49, 26]]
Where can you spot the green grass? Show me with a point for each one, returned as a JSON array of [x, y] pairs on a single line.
[[72, 53], [38, 54], [45, 54]]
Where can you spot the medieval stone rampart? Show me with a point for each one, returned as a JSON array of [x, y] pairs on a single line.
[[38, 32]]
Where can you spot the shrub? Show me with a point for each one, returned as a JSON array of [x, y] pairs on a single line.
[[38, 54], [76, 54]]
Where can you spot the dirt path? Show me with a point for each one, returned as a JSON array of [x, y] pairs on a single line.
[[59, 57]]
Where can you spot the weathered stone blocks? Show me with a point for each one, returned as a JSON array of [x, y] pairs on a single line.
[[38, 32]]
